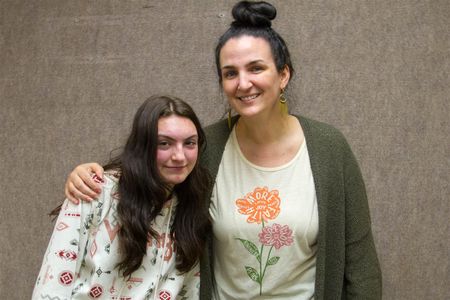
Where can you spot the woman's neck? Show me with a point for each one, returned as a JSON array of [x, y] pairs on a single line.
[[270, 143], [263, 130]]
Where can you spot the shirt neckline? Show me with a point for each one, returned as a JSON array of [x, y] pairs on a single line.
[[235, 145]]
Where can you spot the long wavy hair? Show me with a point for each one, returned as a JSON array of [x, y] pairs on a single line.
[[142, 191]]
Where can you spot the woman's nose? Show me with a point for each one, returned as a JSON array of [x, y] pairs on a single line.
[[244, 82]]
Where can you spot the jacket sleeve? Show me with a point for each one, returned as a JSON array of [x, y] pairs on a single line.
[[362, 271], [61, 262]]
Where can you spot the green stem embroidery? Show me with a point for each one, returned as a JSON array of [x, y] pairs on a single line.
[[260, 270], [260, 263], [267, 261], [269, 236]]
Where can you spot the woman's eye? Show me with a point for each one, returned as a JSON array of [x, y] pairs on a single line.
[[256, 69], [229, 74]]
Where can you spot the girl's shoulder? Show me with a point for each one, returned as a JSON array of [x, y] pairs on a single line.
[[112, 176], [107, 201]]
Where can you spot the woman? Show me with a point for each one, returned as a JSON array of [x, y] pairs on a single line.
[[288, 207], [143, 236]]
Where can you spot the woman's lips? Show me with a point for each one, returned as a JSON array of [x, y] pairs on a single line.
[[248, 98]]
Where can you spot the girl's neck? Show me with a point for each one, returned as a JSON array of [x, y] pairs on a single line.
[[169, 192]]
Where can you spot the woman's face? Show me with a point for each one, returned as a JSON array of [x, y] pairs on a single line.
[[177, 150], [249, 76]]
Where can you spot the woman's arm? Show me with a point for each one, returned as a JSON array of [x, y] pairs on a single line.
[[362, 269], [81, 185]]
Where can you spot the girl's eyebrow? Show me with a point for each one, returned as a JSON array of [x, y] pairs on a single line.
[[172, 139]]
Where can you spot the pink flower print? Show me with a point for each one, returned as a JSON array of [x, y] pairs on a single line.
[[276, 235]]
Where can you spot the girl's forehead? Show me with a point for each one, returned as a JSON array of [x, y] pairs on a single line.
[[176, 126]]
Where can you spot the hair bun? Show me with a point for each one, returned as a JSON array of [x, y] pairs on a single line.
[[253, 14]]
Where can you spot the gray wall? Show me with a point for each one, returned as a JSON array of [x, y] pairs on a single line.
[[72, 74]]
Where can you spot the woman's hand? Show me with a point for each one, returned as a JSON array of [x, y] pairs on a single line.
[[81, 186]]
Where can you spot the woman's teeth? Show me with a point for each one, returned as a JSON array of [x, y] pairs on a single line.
[[246, 98]]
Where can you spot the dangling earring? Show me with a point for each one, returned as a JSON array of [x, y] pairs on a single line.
[[283, 102], [229, 119], [282, 97]]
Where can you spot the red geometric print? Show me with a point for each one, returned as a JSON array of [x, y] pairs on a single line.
[[113, 290], [72, 214], [161, 238], [93, 248], [66, 278], [61, 226], [165, 295], [97, 179], [134, 282], [67, 254], [96, 291], [48, 276], [112, 231]]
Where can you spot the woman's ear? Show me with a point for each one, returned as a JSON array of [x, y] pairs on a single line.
[[285, 75]]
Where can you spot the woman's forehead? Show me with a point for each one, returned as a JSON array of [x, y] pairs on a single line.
[[244, 49]]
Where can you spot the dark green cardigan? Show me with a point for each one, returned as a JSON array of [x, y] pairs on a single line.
[[347, 265]]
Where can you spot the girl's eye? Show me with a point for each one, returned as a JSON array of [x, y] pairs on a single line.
[[163, 144], [191, 144]]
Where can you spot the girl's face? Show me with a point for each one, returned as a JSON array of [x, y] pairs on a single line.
[[177, 150], [250, 78]]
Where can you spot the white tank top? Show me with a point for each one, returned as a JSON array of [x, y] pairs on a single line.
[[265, 223]]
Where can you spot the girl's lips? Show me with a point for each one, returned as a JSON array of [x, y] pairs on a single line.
[[176, 168]]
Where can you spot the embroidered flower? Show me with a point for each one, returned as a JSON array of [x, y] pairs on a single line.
[[276, 235], [260, 205]]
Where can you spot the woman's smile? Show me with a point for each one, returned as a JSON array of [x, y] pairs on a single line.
[[248, 98]]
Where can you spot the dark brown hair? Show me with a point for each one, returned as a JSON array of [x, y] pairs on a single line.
[[143, 193], [255, 19]]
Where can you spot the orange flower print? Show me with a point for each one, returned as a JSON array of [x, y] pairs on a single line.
[[260, 205]]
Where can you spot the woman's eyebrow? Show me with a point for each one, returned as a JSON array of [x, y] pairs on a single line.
[[248, 64]]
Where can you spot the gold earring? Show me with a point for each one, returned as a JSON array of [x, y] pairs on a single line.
[[283, 103], [282, 97], [229, 119]]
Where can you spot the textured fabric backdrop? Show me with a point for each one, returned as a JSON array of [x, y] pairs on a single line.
[[72, 74]]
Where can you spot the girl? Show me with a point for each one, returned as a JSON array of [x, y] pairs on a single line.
[[142, 237]]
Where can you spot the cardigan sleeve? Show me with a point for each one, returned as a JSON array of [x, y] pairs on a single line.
[[59, 268], [362, 271]]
